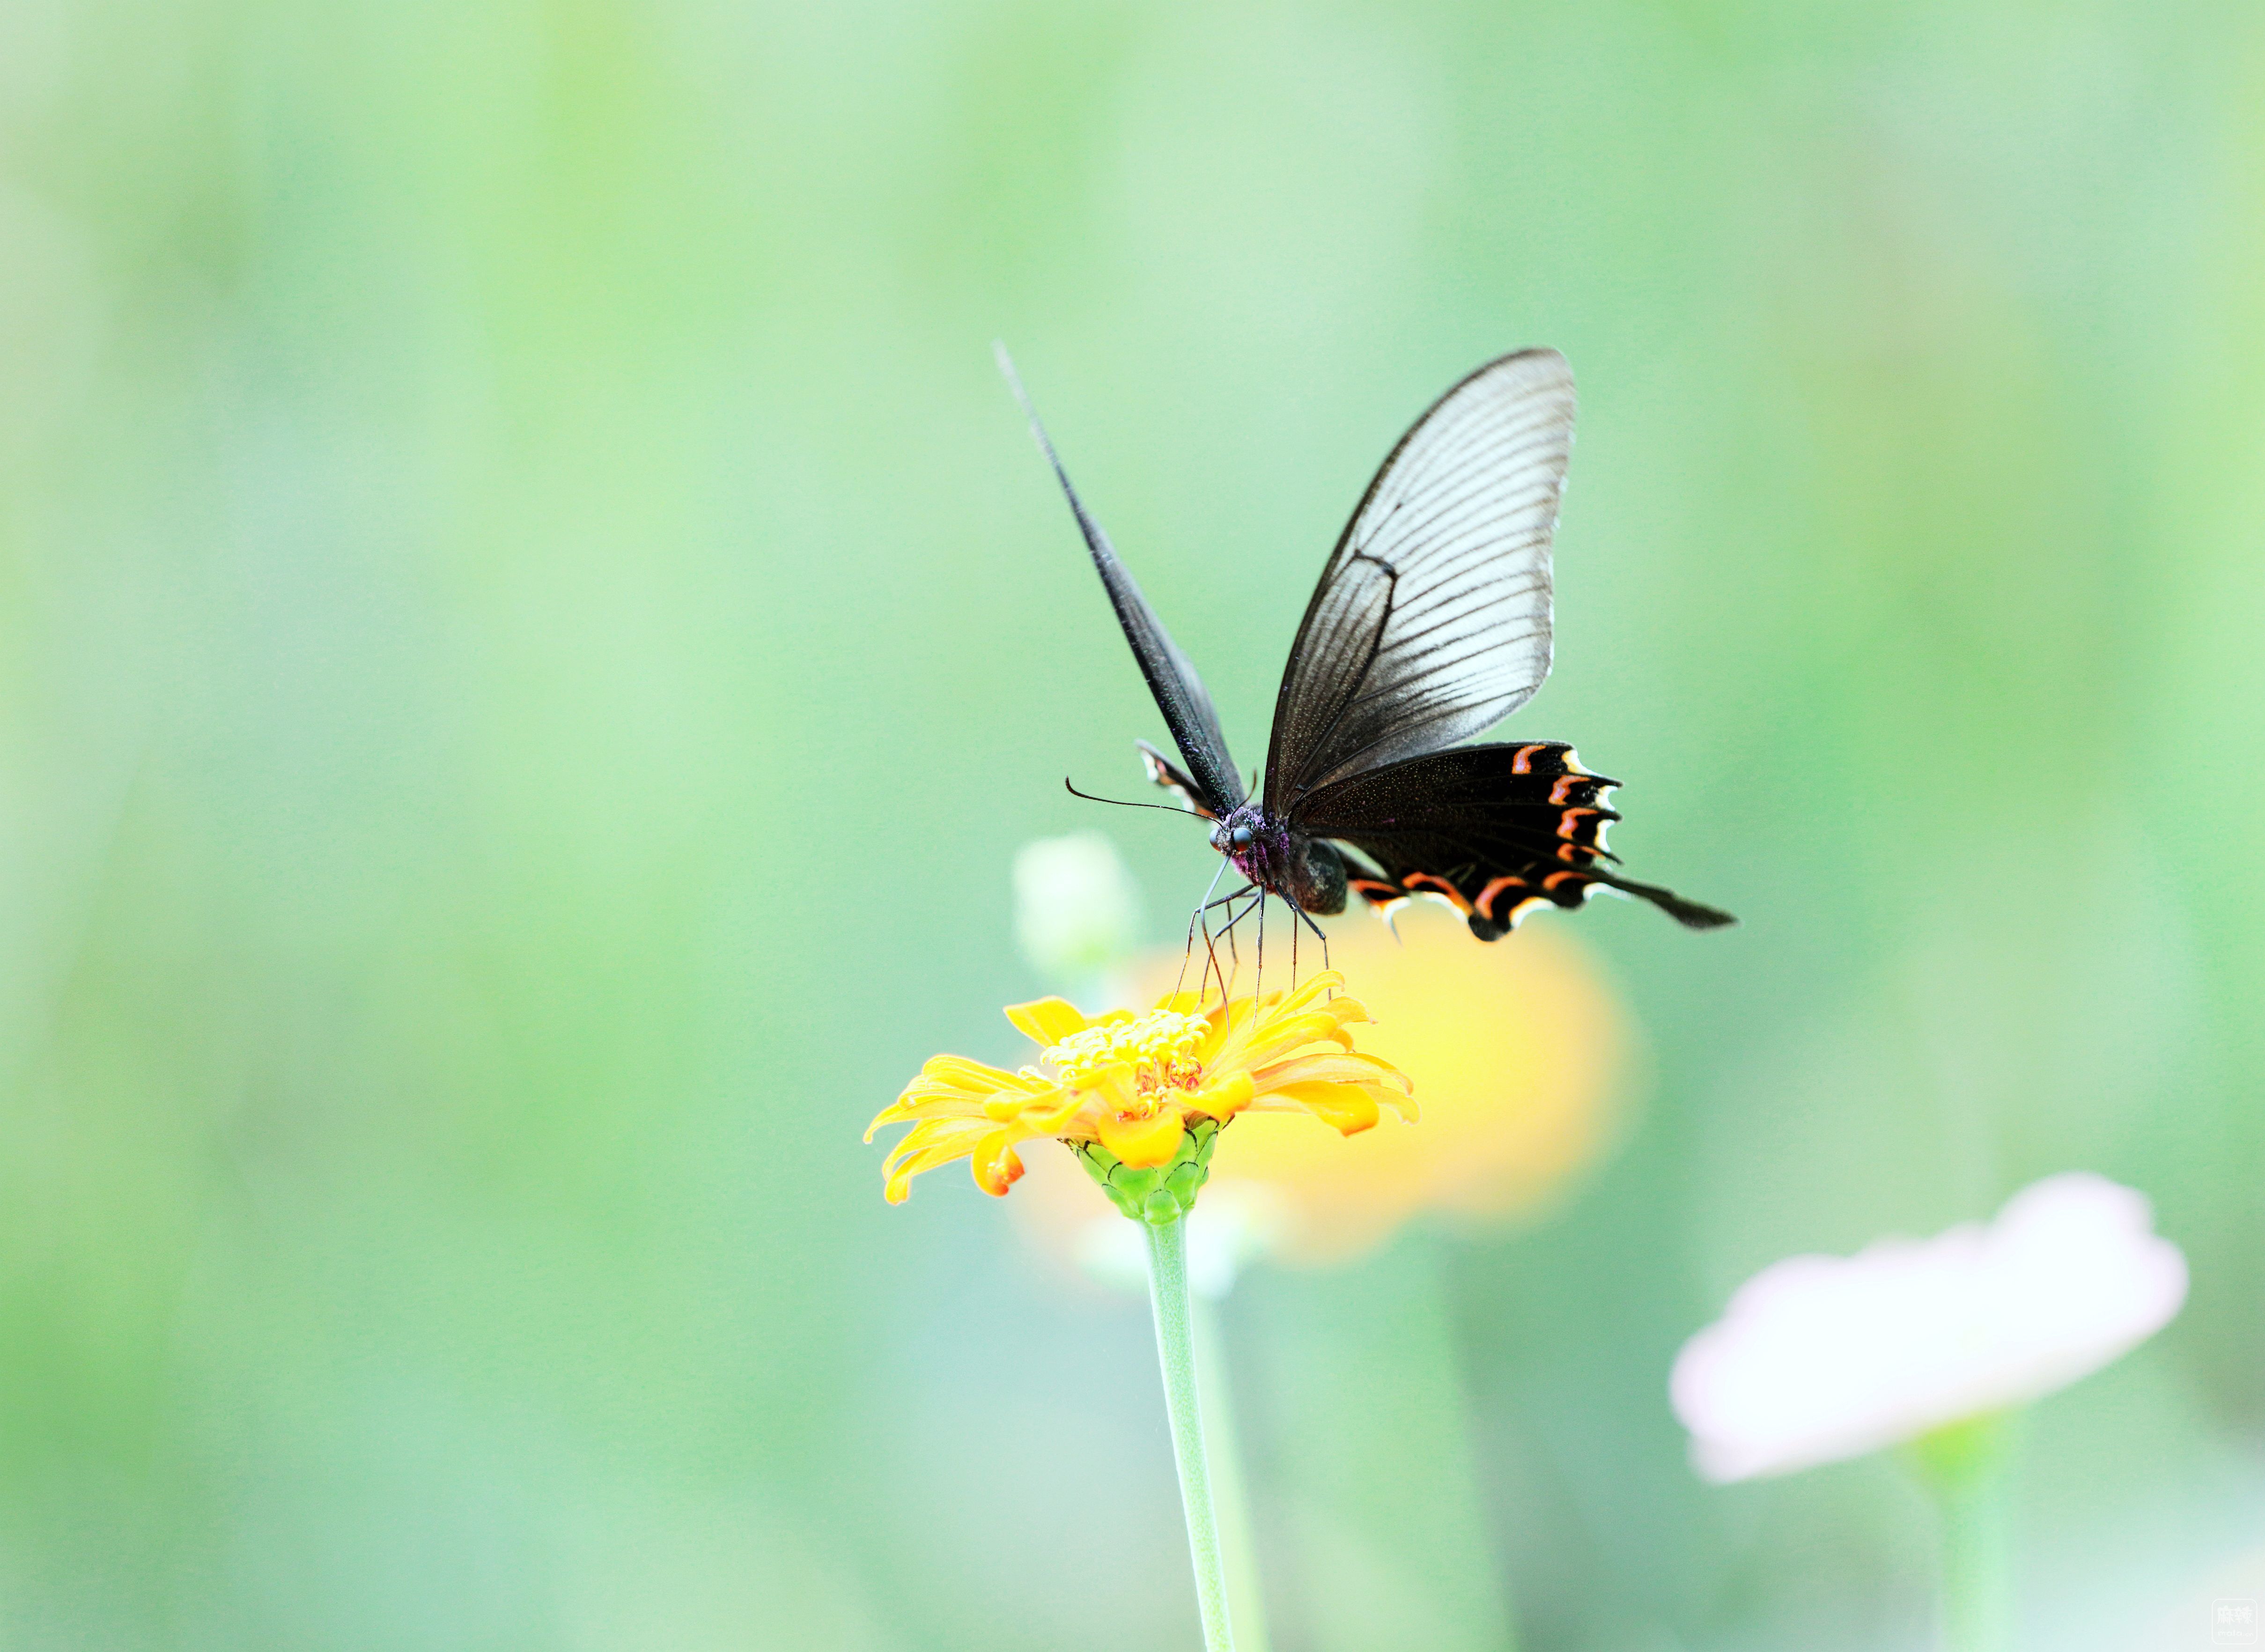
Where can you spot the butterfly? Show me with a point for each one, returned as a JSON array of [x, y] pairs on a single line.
[[1432, 622]]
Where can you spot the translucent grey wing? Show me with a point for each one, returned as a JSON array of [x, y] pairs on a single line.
[[1431, 621], [1172, 680]]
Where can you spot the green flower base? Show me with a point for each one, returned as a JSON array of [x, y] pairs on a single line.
[[1162, 1194]]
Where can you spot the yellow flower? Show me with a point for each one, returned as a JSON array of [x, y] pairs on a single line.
[[1140, 1090], [1524, 1050], [1525, 1057]]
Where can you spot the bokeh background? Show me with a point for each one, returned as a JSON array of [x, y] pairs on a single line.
[[530, 634]]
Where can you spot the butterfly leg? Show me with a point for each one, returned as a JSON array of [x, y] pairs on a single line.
[[1226, 934], [1306, 918], [1258, 980], [1196, 918], [1234, 946], [1235, 955]]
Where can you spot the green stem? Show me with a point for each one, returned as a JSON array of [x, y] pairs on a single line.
[[1964, 1466], [1168, 1293], [1977, 1597]]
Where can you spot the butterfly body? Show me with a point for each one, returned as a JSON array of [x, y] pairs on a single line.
[[1306, 870], [1431, 621]]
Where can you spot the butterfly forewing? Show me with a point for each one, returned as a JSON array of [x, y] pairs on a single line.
[[1433, 620], [1179, 693]]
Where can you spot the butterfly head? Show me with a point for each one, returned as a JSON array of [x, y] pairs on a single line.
[[1258, 848], [1298, 867]]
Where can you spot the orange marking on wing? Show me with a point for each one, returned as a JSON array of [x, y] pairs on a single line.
[[1426, 880], [1369, 889], [1494, 888], [1565, 783], [1523, 763], [1570, 820], [1573, 852], [1555, 878]]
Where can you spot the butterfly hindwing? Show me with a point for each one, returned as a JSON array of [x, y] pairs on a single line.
[[1163, 772], [1432, 619], [1492, 830]]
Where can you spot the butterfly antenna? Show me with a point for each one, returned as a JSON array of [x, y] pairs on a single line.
[[1168, 808]]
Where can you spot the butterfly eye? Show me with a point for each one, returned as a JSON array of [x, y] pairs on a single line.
[[1241, 836]]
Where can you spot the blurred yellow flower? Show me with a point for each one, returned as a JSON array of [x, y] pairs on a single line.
[[1521, 1049], [1521, 1052], [1126, 1089]]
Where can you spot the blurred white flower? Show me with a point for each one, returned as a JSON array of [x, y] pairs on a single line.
[[1077, 911], [1824, 1358]]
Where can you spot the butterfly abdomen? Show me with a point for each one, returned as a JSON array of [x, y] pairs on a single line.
[[1317, 876], [1301, 869]]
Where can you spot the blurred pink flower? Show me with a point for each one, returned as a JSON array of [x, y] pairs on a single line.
[[1824, 1358]]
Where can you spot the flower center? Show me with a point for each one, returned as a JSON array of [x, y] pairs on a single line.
[[1161, 1048]]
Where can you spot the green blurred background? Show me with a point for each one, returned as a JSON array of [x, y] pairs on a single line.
[[532, 633]]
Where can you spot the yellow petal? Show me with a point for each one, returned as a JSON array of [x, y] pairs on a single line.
[[1000, 1108], [1348, 1107], [914, 1105], [1143, 1143], [1349, 1068], [1046, 1022], [961, 1072], [1228, 1097], [1233, 1031], [951, 1085], [1051, 1118], [923, 1148], [1280, 1035], [1316, 987], [905, 1110], [995, 1163]]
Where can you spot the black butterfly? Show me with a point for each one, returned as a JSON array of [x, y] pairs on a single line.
[[1430, 622]]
